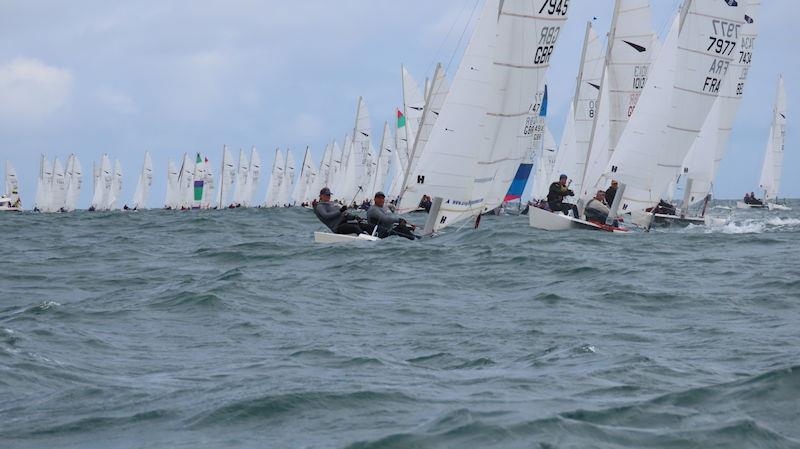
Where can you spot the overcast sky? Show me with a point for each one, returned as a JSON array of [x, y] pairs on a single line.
[[185, 76]]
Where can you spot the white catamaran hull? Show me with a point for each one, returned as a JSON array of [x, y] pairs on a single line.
[[549, 221], [327, 237]]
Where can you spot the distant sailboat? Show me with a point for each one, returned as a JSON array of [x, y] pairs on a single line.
[[74, 174], [227, 178], [772, 167], [171, 201], [103, 181], [10, 202], [275, 181], [145, 181]]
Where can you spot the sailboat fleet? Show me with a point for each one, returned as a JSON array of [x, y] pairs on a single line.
[[646, 115]]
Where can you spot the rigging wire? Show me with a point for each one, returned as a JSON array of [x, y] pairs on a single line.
[[463, 33], [446, 37]]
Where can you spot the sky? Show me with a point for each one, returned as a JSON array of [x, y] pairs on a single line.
[[191, 76]]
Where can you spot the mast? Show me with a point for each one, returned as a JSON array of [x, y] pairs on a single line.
[[612, 32], [581, 67], [425, 112], [220, 196]]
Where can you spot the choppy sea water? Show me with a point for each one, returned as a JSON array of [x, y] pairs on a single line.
[[233, 329]]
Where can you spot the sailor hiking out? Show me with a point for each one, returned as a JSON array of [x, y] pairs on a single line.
[[387, 223], [337, 219]]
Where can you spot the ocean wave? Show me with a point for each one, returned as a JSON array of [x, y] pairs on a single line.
[[95, 423], [186, 300], [275, 406]]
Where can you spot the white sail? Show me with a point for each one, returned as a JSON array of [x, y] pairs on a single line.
[[772, 168], [104, 179], [143, 184], [527, 36], [413, 106], [241, 189], [254, 176], [287, 183], [208, 185], [227, 178], [657, 138], [275, 181], [43, 185], [544, 163], [171, 200], [185, 195], [631, 49], [347, 178], [382, 161], [74, 173], [702, 162], [398, 168], [362, 152], [574, 150], [58, 195], [324, 173], [439, 90], [448, 167], [12, 183], [305, 180], [116, 186]]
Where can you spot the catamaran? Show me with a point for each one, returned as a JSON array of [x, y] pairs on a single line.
[[772, 167]]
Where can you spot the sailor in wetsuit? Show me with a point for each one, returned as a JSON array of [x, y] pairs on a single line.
[[597, 209], [555, 197], [337, 219], [387, 223]]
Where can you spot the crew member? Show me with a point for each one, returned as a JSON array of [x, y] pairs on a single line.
[[597, 209], [611, 192], [336, 218], [555, 198], [387, 223]]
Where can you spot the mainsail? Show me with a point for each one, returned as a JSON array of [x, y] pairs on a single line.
[[448, 166], [12, 183], [574, 148], [657, 138], [145, 181], [632, 45], [772, 168], [527, 36], [227, 178], [701, 164]]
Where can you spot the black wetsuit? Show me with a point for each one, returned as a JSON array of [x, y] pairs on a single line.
[[555, 199], [339, 221], [388, 224]]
